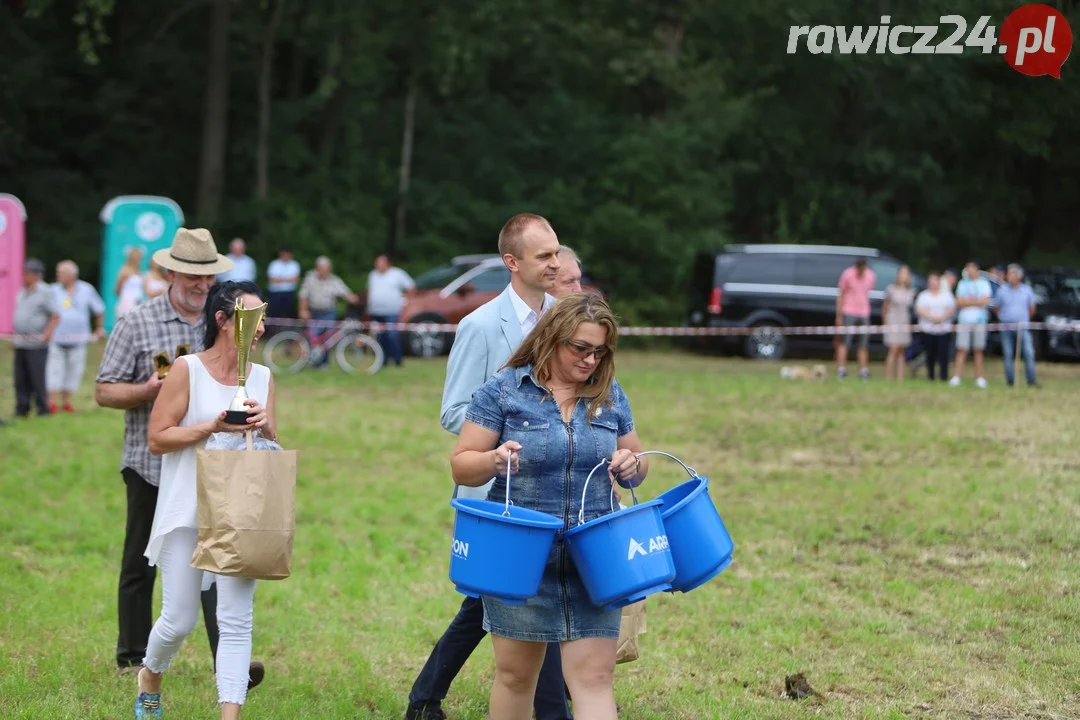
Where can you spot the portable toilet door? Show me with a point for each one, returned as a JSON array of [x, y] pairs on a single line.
[[12, 257], [144, 222]]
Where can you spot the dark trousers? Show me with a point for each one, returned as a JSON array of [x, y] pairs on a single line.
[[136, 592], [453, 649], [30, 380], [282, 304], [937, 354], [389, 339]]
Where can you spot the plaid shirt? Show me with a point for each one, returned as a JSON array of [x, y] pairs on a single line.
[[321, 294], [143, 332]]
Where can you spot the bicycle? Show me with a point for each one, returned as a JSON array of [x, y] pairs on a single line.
[[290, 351]]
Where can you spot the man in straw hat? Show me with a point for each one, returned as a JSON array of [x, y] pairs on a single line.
[[144, 344]]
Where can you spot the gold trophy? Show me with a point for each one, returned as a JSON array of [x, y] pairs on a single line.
[[246, 323]]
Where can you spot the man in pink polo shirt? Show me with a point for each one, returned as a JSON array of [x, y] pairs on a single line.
[[853, 308]]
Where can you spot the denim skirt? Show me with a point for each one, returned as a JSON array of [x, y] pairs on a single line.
[[561, 610]]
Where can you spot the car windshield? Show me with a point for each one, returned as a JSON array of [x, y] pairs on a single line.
[[440, 277], [1070, 290]]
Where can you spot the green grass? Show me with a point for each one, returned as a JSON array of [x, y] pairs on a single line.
[[912, 549]]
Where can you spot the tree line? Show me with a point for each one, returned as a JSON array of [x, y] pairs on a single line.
[[646, 131]]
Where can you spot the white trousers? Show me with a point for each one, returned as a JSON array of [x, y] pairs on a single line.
[[181, 586], [64, 367]]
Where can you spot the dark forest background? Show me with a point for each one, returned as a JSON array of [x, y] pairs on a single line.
[[645, 130]]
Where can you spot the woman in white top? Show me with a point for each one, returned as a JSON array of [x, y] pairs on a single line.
[[129, 283], [189, 409], [155, 282], [935, 307]]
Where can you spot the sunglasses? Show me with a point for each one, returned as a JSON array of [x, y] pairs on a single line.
[[584, 350]]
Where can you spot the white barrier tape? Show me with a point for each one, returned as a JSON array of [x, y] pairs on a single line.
[[375, 327], [644, 331]]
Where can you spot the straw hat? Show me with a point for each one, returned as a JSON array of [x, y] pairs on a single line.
[[193, 252]]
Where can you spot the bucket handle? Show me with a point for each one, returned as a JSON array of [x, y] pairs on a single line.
[[509, 462], [687, 468], [581, 512]]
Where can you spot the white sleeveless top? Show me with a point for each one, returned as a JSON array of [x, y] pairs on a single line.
[[176, 502], [131, 294]]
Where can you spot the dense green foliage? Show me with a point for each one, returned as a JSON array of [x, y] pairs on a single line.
[[644, 130]]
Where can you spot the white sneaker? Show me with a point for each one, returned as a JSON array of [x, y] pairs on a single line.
[[980, 382], [955, 382]]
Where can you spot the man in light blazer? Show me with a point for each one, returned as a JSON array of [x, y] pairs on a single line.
[[483, 343]]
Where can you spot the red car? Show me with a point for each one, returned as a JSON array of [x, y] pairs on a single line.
[[449, 292]]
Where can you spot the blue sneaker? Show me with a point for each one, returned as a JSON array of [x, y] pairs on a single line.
[[147, 706]]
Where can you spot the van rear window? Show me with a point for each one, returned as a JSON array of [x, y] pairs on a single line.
[[765, 269]]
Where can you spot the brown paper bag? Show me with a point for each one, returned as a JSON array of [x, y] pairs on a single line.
[[633, 625], [246, 512]]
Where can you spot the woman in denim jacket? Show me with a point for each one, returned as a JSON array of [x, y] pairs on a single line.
[[553, 413]]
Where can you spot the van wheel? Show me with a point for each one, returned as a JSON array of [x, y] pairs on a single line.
[[428, 343], [765, 342]]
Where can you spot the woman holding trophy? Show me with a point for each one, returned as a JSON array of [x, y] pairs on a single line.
[[214, 391]]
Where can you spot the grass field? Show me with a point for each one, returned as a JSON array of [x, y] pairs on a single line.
[[913, 549]]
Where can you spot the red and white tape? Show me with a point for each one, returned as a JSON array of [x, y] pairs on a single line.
[[641, 331]]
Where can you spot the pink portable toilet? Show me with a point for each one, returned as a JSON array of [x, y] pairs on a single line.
[[12, 257]]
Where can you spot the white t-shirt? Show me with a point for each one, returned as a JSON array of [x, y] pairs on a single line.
[[942, 304], [177, 506], [278, 273], [243, 269], [386, 291]]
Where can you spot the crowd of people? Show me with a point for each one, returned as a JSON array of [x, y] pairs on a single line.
[[950, 310], [523, 354], [530, 390]]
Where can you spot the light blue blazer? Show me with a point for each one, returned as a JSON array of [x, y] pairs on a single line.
[[485, 340]]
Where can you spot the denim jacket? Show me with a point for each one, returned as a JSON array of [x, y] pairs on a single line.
[[556, 457]]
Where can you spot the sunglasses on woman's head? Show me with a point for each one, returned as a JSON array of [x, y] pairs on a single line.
[[584, 350]]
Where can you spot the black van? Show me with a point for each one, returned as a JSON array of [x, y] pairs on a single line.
[[769, 286]]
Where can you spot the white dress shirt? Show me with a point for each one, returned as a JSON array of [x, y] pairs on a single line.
[[526, 315]]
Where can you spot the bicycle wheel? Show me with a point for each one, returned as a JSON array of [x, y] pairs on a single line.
[[287, 352], [359, 353]]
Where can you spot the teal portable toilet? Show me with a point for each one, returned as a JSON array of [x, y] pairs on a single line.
[[143, 222]]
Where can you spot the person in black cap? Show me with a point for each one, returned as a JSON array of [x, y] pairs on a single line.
[[37, 313]]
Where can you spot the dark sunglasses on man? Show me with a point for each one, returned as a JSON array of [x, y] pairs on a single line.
[[583, 350]]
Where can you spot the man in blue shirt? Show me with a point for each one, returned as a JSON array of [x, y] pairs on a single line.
[[1015, 303], [973, 297]]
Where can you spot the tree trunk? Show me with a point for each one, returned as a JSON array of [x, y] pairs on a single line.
[[215, 117], [262, 153], [333, 113], [405, 176]]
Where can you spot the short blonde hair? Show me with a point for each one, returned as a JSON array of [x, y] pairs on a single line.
[[566, 252], [512, 235]]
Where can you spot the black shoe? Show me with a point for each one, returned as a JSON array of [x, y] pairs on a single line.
[[256, 673], [418, 711]]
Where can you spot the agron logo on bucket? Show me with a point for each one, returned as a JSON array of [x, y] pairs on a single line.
[[656, 544], [460, 549]]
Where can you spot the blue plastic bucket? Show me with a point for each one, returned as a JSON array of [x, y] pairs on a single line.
[[700, 544], [623, 557], [500, 550]]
